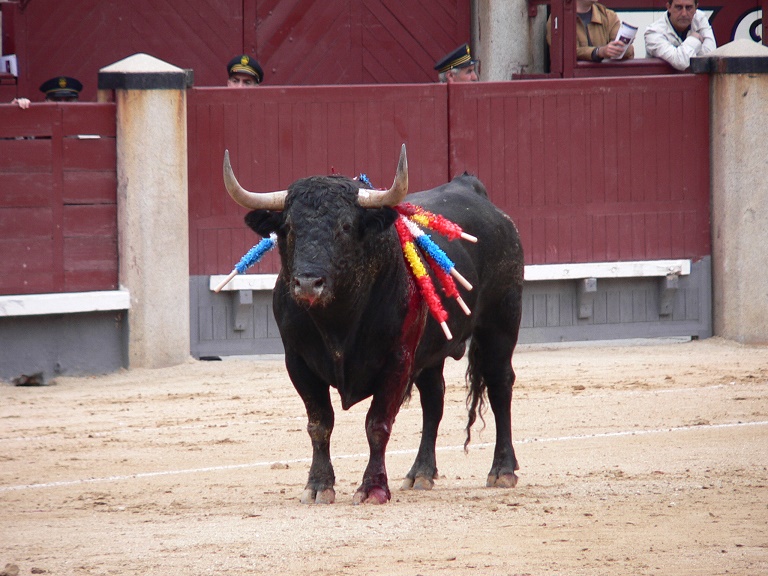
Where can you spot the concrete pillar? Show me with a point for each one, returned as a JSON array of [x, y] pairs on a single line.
[[508, 38], [152, 206], [739, 128]]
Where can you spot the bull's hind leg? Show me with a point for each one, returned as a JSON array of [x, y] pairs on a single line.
[[491, 361], [431, 385]]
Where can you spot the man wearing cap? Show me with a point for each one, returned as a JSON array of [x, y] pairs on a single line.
[[58, 89], [244, 72], [458, 66]]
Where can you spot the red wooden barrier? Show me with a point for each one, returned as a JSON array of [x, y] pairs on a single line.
[[277, 135], [592, 169], [58, 230]]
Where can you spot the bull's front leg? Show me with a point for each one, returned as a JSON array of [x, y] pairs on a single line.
[[319, 488], [378, 427], [320, 420], [386, 403]]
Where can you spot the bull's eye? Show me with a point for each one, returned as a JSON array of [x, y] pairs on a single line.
[[346, 227]]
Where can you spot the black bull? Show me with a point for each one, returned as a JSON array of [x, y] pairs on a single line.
[[351, 316]]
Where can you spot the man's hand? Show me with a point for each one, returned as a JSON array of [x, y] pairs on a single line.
[[611, 50], [696, 35], [22, 103]]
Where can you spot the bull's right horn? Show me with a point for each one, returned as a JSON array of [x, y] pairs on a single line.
[[251, 200], [393, 196]]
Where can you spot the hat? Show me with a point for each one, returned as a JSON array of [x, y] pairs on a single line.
[[244, 64], [61, 87], [459, 58]]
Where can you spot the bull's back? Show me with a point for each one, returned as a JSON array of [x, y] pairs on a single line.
[[465, 201]]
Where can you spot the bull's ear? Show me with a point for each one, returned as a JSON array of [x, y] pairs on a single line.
[[264, 222], [376, 220]]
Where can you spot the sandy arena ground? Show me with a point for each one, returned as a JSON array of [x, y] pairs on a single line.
[[642, 459]]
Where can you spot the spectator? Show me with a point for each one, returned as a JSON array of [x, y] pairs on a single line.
[[596, 30], [61, 89], [244, 72], [683, 32], [57, 89], [458, 66]]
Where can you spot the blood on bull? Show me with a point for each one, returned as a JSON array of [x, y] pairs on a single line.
[[352, 314]]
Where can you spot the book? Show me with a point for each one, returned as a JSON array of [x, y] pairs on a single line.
[[625, 35]]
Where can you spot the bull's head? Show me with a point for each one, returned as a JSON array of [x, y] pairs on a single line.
[[329, 229]]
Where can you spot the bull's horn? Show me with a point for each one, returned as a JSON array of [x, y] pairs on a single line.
[[393, 196], [252, 200]]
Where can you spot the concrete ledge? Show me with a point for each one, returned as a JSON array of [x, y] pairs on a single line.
[[245, 282], [535, 272], [63, 303], [738, 57], [638, 269]]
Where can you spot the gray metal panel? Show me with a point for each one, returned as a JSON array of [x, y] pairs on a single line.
[[621, 308], [214, 319], [63, 344]]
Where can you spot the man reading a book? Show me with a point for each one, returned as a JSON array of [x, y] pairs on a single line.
[[596, 31], [682, 33]]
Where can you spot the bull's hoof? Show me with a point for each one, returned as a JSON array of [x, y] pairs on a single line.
[[508, 480], [310, 496], [375, 495], [418, 483]]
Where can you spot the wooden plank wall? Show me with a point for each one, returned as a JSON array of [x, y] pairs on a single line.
[[277, 135], [58, 210], [596, 170], [300, 42], [590, 169]]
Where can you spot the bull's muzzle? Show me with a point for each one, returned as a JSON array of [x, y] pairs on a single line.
[[309, 289]]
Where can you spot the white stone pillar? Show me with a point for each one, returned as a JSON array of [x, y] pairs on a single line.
[[739, 164], [509, 39], [152, 206]]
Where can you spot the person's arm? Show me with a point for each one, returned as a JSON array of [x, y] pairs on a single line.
[[659, 46], [702, 26], [549, 31], [585, 53]]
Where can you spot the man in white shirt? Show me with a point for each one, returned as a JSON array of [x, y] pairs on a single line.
[[682, 33]]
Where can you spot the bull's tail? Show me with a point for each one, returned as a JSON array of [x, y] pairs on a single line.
[[476, 390]]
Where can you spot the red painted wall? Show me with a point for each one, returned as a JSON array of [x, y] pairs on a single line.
[[58, 230], [298, 43], [277, 135], [593, 170], [590, 169]]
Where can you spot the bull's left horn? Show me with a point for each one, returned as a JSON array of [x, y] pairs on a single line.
[[393, 196], [252, 200]]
